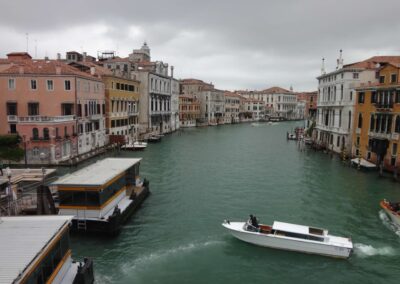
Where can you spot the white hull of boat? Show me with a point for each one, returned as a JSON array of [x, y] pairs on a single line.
[[286, 243]]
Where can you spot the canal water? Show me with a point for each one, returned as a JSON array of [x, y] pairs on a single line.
[[199, 177]]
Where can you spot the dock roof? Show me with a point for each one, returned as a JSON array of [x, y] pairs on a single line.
[[22, 239], [98, 173]]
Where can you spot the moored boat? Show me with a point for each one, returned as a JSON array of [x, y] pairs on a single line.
[[363, 164], [291, 237], [102, 196], [392, 209]]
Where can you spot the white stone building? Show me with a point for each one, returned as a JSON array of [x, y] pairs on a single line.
[[212, 106], [336, 100]]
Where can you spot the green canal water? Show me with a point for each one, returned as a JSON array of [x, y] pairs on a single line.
[[199, 177]]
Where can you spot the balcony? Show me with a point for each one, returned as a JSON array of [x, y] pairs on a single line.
[[45, 119], [338, 130], [380, 135], [333, 103], [384, 107], [12, 118], [133, 113], [95, 116]]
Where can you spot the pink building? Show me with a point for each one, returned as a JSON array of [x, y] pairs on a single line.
[[55, 108]]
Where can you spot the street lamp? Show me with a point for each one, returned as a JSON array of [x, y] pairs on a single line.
[[9, 192]]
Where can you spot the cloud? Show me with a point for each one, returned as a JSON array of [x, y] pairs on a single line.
[[234, 44]]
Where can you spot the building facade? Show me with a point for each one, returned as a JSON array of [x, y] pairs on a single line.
[[376, 131], [189, 111], [232, 108], [336, 99], [212, 106], [56, 109]]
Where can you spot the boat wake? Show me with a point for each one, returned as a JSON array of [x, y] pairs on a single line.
[[388, 223], [166, 254], [363, 250]]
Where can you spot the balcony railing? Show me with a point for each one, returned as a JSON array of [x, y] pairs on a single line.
[[384, 106], [381, 135], [12, 118], [95, 116], [133, 113], [45, 119]]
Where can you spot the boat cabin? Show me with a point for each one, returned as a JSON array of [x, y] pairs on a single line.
[[36, 249], [292, 231], [100, 191]]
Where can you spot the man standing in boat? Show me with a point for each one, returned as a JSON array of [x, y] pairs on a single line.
[[253, 221]]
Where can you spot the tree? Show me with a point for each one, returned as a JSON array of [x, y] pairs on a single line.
[[9, 148]]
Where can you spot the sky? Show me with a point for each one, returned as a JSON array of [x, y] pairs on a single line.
[[235, 45]]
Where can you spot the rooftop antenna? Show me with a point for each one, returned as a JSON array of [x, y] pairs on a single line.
[[27, 42]]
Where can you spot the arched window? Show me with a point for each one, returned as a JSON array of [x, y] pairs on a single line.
[[359, 120], [46, 133], [397, 125], [35, 134]]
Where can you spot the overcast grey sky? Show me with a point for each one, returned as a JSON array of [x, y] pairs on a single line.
[[234, 44]]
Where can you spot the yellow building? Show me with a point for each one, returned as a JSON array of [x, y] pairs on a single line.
[[377, 119], [122, 107]]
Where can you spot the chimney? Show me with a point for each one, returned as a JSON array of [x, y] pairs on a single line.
[[46, 58], [92, 70], [21, 70], [340, 61], [323, 67], [84, 54], [172, 71], [58, 56], [58, 70]]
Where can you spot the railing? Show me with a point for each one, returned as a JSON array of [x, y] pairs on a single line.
[[382, 135], [133, 113], [95, 116], [45, 119], [12, 118], [384, 106]]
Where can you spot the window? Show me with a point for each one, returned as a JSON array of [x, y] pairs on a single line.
[[67, 109], [397, 124], [50, 86], [12, 109], [359, 120], [393, 78], [373, 97], [46, 133], [351, 95], [381, 79], [11, 84], [33, 108], [33, 84], [394, 149], [35, 134], [372, 123], [67, 85], [349, 119], [361, 96], [355, 75]]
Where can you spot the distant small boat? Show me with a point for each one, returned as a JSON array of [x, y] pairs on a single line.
[[291, 136], [308, 141], [154, 138], [362, 163], [392, 209], [136, 146], [291, 237]]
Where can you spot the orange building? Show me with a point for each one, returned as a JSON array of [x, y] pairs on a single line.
[[377, 119], [189, 111]]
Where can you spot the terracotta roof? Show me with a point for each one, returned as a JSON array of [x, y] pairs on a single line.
[[370, 63], [117, 59], [276, 90], [45, 67], [85, 67]]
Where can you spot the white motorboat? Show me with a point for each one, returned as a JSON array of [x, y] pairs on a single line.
[[291, 237], [392, 209], [139, 145], [362, 163]]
